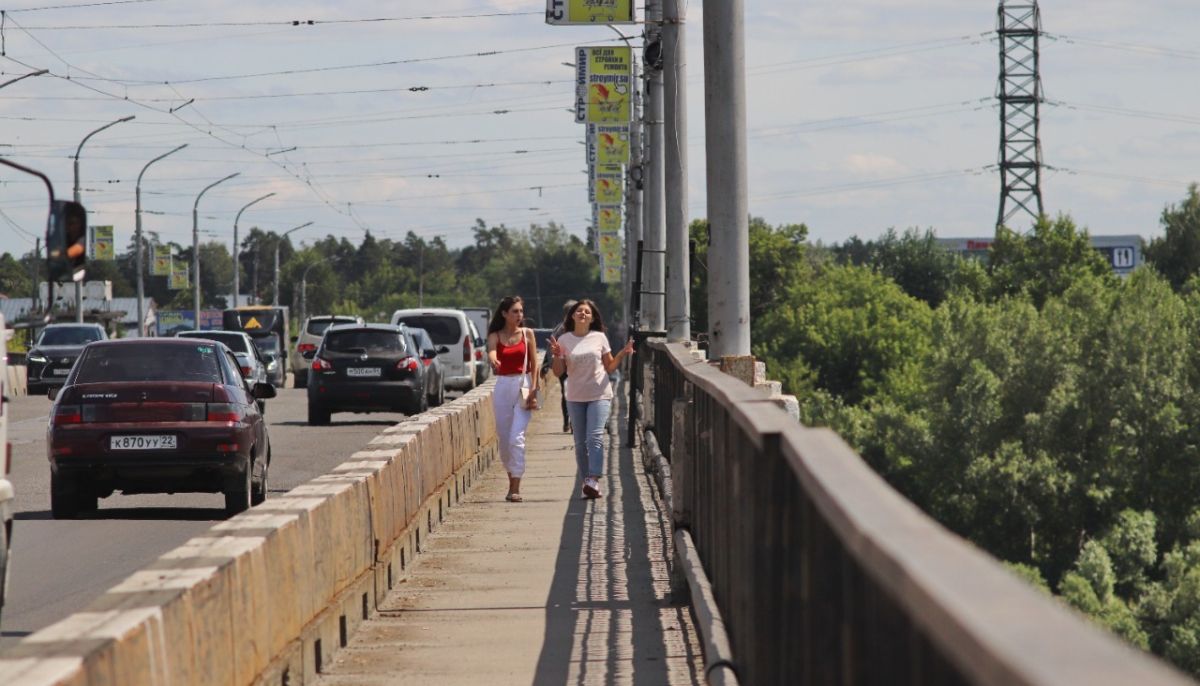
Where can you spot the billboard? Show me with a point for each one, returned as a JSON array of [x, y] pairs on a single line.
[[179, 276], [611, 143], [610, 185], [161, 264], [608, 218], [566, 12], [603, 84], [102, 247]]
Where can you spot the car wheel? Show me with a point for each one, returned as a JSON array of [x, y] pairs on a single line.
[[237, 499], [317, 415], [258, 492], [300, 379], [64, 498]]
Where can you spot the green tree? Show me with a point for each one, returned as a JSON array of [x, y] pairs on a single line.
[[1045, 262], [1176, 254]]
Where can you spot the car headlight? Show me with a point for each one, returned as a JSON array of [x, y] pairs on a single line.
[[36, 357]]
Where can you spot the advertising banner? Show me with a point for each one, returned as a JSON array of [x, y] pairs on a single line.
[[608, 218], [611, 142], [610, 273], [610, 185], [102, 243], [567, 12], [171, 322], [603, 84], [610, 242], [161, 264], [179, 276]]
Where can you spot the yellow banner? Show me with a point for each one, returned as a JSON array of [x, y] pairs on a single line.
[[161, 264], [179, 276], [603, 85], [589, 11], [102, 243], [608, 219], [610, 273], [612, 144]]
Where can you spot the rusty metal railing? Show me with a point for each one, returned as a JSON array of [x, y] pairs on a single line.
[[825, 575]]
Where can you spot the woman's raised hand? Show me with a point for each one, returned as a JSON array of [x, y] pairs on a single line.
[[628, 349], [555, 349]]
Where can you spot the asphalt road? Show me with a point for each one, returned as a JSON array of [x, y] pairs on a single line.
[[59, 567]]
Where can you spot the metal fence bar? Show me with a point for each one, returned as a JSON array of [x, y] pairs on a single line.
[[825, 575]]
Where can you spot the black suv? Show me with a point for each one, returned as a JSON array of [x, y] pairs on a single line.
[[368, 368], [58, 346]]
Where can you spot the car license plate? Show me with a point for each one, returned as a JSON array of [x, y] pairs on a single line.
[[60, 372], [142, 442], [364, 371]]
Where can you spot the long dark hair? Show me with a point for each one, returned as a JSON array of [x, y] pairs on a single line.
[[597, 320], [505, 305]]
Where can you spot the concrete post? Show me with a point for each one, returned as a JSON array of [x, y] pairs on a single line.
[[728, 206], [678, 270], [654, 225]]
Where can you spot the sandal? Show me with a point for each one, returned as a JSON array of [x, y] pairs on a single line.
[[514, 498]]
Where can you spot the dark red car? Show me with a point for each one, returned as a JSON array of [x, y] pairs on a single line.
[[166, 415]]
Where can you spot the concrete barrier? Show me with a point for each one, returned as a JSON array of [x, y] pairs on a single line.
[[16, 381], [268, 596]]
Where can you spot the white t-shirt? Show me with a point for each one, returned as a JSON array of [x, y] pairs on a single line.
[[586, 378]]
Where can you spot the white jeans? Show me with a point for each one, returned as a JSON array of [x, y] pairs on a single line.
[[511, 420]]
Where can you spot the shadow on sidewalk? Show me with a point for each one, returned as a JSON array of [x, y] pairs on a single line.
[[608, 618]]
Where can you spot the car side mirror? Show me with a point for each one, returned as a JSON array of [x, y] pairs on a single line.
[[428, 354], [263, 391], [443, 349]]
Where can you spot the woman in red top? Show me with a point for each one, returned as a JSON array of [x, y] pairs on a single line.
[[512, 353]]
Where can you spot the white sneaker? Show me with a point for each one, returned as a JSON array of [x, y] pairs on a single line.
[[591, 488]]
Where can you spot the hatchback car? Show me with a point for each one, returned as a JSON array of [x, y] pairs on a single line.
[[447, 328], [310, 338], [368, 368], [157, 415], [54, 353], [250, 360], [433, 366]]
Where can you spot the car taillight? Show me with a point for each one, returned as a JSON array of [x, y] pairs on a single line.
[[427, 361], [305, 347], [479, 354], [407, 363], [246, 371], [223, 412], [68, 414], [321, 365], [467, 348]]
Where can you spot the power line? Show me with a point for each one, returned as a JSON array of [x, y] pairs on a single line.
[[278, 22], [87, 4], [1127, 47]]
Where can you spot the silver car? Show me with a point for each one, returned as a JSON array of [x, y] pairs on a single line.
[[310, 339], [250, 360]]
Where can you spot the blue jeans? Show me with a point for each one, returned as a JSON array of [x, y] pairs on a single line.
[[588, 422]]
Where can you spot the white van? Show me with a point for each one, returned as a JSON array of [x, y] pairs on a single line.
[[449, 328]]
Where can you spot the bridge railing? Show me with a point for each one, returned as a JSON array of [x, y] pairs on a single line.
[[825, 575]]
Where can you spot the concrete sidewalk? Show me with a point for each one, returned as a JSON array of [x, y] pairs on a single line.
[[554, 590]]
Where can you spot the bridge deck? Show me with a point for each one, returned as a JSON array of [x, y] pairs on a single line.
[[553, 590]]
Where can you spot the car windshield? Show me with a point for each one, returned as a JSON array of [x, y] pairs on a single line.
[[69, 335], [150, 362], [236, 342], [363, 340], [316, 327], [443, 330], [268, 345]]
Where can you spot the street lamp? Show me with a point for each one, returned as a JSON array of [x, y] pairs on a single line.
[[236, 269], [78, 285], [24, 76], [304, 287], [137, 222], [196, 245], [275, 298]]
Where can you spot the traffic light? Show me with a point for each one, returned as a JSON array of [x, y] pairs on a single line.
[[66, 241]]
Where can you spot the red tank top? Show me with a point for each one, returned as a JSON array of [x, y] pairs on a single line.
[[512, 357]]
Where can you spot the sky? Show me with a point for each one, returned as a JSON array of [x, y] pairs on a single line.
[[863, 115]]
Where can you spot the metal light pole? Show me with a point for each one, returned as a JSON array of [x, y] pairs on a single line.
[[196, 246], [678, 277], [137, 237], [728, 205], [236, 267], [78, 285], [275, 297]]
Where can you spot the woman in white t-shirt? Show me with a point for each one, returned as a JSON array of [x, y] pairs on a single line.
[[584, 354]]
